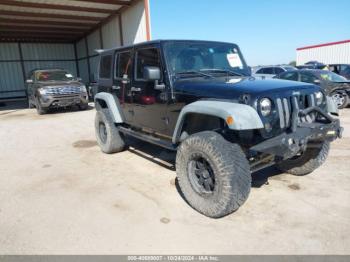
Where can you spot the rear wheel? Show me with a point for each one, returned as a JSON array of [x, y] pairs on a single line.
[[307, 161], [340, 99], [213, 174], [108, 137]]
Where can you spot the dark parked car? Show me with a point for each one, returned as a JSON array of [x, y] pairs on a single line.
[[196, 97], [334, 85], [312, 65], [52, 88], [341, 69]]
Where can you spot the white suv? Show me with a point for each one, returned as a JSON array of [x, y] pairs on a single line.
[[271, 71]]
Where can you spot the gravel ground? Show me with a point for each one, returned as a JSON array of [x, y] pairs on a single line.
[[60, 195]]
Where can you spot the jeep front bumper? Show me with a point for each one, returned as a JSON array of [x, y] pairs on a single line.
[[289, 144]]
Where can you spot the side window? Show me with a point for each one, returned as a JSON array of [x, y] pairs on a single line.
[[278, 70], [345, 69], [307, 78], [268, 71], [293, 76], [105, 67], [124, 65], [146, 57], [261, 71]]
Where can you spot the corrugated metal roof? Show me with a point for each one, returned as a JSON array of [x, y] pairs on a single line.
[[76, 3], [20, 19], [80, 14]]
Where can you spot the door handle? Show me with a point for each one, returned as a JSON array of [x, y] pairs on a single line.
[[116, 87], [135, 89]]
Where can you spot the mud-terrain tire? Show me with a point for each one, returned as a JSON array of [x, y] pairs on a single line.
[[226, 166], [39, 109], [307, 162], [340, 99], [107, 135]]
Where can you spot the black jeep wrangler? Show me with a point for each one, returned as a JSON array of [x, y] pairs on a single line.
[[196, 97]]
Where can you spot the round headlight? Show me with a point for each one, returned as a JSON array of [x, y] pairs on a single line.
[[265, 106], [319, 98]]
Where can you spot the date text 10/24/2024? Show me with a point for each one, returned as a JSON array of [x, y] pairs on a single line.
[[173, 258]]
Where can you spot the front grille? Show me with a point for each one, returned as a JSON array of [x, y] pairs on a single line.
[[287, 106], [63, 90]]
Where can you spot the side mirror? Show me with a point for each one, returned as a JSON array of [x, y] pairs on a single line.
[[151, 73], [29, 81]]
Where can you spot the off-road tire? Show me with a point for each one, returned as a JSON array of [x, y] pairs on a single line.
[[310, 160], [345, 101], [113, 141], [39, 109], [230, 168]]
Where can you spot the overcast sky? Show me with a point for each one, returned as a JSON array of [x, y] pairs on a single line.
[[267, 31]]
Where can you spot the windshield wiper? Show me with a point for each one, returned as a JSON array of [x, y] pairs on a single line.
[[194, 72], [227, 71]]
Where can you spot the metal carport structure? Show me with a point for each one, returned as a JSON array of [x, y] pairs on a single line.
[[65, 34]]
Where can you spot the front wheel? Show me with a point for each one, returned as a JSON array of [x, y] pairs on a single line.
[[39, 108], [340, 99], [307, 161], [213, 174], [108, 137]]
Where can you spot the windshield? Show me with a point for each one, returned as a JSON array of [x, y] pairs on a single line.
[[290, 68], [332, 77], [53, 75], [206, 57]]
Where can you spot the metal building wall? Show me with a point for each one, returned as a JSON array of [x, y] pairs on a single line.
[[330, 54], [134, 24], [130, 28], [11, 76], [14, 68], [111, 34], [48, 56]]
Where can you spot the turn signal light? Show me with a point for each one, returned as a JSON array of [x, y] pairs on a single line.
[[229, 120]]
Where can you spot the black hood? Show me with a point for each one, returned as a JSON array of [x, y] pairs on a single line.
[[234, 87]]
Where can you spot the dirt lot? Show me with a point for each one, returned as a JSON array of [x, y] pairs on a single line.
[[60, 195]]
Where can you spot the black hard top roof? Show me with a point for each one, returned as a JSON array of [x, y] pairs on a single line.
[[159, 41]]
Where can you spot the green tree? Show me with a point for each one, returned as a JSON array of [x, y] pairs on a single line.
[[293, 63]]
